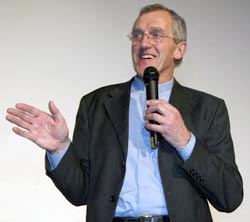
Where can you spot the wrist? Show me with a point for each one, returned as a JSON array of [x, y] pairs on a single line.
[[185, 140], [61, 146]]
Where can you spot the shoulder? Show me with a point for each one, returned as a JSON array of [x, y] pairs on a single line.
[[102, 93], [187, 99], [194, 94]]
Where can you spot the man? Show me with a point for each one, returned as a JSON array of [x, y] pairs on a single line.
[[110, 165]]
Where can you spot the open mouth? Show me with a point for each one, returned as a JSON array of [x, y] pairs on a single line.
[[147, 56]]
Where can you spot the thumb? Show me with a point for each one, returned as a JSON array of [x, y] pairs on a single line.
[[54, 111]]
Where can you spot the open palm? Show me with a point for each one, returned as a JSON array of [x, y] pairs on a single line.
[[49, 131]]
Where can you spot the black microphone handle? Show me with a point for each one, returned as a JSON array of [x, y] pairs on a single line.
[[150, 78], [152, 93]]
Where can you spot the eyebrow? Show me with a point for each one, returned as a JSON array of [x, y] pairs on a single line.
[[158, 29]]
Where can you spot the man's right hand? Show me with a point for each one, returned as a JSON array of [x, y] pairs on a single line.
[[49, 131]]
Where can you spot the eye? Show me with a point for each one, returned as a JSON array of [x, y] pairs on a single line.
[[155, 35], [137, 35]]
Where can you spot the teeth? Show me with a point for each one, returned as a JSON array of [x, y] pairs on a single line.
[[147, 56]]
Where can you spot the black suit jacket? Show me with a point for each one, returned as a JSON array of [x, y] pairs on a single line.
[[92, 170]]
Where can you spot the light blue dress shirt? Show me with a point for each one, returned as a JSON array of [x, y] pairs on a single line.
[[142, 191]]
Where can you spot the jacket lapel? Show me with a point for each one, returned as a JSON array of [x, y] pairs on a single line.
[[117, 106], [180, 99]]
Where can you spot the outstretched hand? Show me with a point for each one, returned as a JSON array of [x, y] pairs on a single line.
[[49, 131]]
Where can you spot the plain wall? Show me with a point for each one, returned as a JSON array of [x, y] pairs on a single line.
[[61, 50]]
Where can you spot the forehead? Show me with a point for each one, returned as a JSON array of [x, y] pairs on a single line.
[[156, 19]]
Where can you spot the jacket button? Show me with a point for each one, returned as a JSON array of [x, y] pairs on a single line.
[[112, 199], [123, 165], [191, 172]]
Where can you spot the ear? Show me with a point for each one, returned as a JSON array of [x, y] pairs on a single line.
[[180, 50]]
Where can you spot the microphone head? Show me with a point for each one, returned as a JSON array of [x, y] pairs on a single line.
[[150, 73]]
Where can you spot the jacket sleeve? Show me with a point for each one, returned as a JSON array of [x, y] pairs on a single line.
[[71, 176], [211, 167]]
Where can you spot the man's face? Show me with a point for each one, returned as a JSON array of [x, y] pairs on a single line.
[[160, 55]]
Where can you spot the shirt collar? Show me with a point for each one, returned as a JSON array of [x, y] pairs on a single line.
[[138, 84]]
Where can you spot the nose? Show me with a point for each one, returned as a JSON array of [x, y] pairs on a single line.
[[145, 42]]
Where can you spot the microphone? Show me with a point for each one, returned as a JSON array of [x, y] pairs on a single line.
[[150, 78]]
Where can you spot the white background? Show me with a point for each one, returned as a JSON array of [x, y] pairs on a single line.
[[61, 49]]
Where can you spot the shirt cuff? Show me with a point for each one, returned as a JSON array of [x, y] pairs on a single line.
[[186, 152], [55, 158]]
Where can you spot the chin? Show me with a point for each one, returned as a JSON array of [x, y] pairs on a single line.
[[140, 70], [139, 74]]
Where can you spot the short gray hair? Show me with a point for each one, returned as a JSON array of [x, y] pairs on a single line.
[[179, 27]]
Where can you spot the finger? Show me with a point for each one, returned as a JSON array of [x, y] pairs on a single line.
[[162, 107], [19, 122], [153, 127], [22, 133], [55, 111], [20, 114], [52, 108], [157, 108], [28, 109], [155, 118], [152, 102], [156, 102]]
